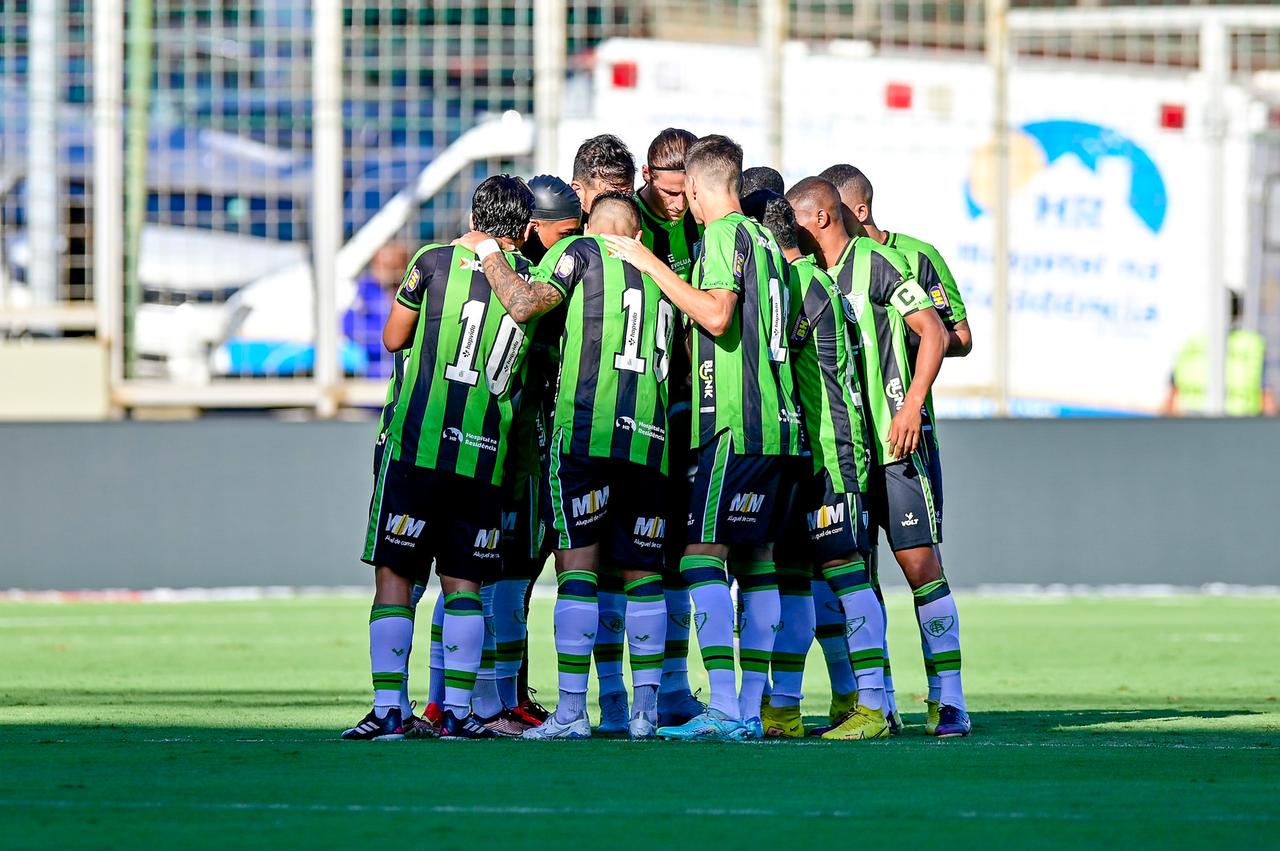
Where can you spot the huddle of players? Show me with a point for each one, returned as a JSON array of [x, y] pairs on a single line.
[[564, 397]]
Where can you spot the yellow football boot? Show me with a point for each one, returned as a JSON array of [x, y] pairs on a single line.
[[931, 722], [842, 705], [862, 723], [782, 722]]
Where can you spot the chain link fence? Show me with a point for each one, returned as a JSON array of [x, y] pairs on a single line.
[[222, 290]]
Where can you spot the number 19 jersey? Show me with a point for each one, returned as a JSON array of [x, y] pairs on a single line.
[[741, 380], [454, 403], [611, 397]]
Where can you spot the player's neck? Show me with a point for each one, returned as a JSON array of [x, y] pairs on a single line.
[[716, 207], [880, 236], [791, 254], [830, 249]]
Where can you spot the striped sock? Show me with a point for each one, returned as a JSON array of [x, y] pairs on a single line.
[[646, 631], [873, 570], [940, 630], [713, 621], [406, 706], [435, 685], [757, 630], [462, 637], [829, 630], [577, 619], [390, 638], [863, 628], [485, 700], [792, 644], [610, 639], [675, 655], [509, 638]]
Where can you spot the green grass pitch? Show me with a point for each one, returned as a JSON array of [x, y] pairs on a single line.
[[1119, 722]]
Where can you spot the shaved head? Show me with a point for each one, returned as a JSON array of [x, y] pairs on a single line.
[[615, 213], [813, 194], [850, 182], [819, 219]]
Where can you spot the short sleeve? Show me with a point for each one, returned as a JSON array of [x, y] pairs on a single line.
[[561, 267], [950, 289], [414, 283], [723, 257], [893, 285]]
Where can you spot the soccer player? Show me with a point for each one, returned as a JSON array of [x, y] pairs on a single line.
[[885, 300], [440, 456], [602, 164], [746, 423], [670, 231], [761, 177], [935, 277], [557, 213], [608, 455]]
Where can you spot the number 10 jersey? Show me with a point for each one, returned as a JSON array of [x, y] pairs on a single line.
[[615, 355], [453, 406]]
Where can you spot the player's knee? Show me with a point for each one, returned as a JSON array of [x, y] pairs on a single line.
[[920, 566]]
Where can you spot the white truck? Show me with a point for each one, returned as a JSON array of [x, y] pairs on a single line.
[[1108, 238]]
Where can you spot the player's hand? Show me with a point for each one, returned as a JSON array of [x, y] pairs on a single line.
[[471, 239], [904, 432], [632, 251]]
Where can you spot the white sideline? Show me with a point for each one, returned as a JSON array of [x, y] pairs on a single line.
[[248, 593], [700, 812]]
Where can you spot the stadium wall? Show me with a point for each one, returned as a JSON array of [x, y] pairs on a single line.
[[256, 501]]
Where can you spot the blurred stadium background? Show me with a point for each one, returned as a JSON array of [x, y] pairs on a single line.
[[202, 202]]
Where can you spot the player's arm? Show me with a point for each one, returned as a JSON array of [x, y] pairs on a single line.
[[402, 322], [711, 308], [907, 297], [522, 299], [960, 339]]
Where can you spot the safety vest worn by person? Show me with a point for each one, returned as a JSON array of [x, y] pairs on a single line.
[[1246, 352]]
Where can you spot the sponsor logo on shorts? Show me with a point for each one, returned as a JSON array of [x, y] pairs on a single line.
[[939, 625], [487, 539], [643, 429], [910, 519], [746, 503], [707, 375], [509, 521], [827, 515], [654, 528], [894, 391], [401, 528], [591, 502]]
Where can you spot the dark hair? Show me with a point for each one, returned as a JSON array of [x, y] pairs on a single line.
[[762, 177], [553, 199], [772, 210], [844, 176], [608, 204], [605, 158], [668, 149], [501, 207], [717, 159]]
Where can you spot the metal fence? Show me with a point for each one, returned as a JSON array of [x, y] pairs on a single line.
[[194, 180]]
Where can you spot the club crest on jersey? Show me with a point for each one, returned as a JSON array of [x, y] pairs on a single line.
[[415, 278], [564, 266], [853, 304]]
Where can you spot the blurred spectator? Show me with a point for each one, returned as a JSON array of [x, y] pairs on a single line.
[[1247, 392], [375, 290]]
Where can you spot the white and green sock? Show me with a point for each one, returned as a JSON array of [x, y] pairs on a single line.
[[510, 631], [873, 571], [390, 639], [757, 630], [829, 630], [462, 637], [713, 621], [940, 630], [646, 639], [485, 700], [577, 619], [863, 629], [435, 685], [791, 647]]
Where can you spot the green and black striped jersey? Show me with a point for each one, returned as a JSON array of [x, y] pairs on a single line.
[[742, 379], [824, 351], [879, 291], [933, 274], [464, 371], [671, 241], [615, 355]]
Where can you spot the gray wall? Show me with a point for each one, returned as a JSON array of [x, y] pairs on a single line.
[[255, 501]]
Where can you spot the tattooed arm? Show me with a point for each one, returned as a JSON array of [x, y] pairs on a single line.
[[522, 299]]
